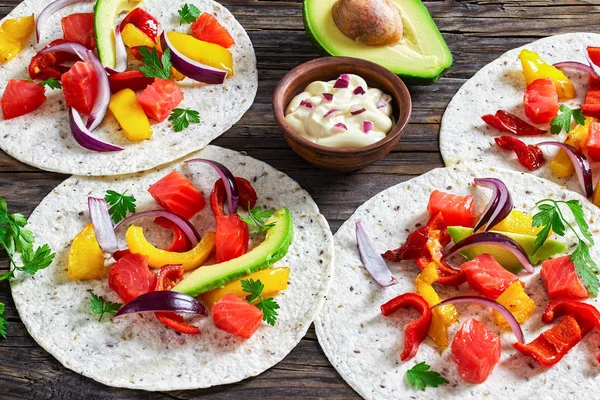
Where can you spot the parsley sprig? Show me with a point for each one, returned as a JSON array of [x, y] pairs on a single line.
[[188, 14], [563, 119], [100, 306], [257, 217], [550, 216], [51, 83], [268, 306], [420, 376], [3, 321], [182, 117], [155, 67], [120, 204]]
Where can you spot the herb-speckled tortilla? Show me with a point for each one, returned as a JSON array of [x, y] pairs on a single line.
[[465, 138], [137, 351], [43, 138], [364, 346]]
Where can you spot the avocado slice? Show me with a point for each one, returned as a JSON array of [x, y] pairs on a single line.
[[274, 248], [421, 57], [505, 257], [105, 20]]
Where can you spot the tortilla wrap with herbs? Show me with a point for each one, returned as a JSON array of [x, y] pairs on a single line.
[[136, 351], [43, 138], [364, 346], [500, 85]]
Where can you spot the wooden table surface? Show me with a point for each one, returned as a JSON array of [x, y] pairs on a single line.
[[477, 31]]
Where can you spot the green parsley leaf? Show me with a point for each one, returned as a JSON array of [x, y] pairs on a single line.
[[153, 66], [257, 217], [585, 267], [34, 261], [51, 83], [563, 119], [268, 306], [120, 204], [3, 321], [421, 377], [100, 306], [188, 14], [577, 211], [182, 117]]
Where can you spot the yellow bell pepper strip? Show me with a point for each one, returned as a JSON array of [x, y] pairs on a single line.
[[134, 37], [518, 222], [441, 317], [205, 53], [596, 196], [562, 166], [130, 115], [138, 244], [13, 35], [517, 302], [86, 259], [274, 279], [535, 68]]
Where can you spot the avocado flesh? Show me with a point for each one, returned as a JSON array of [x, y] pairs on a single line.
[[503, 256], [421, 57], [274, 248], [105, 21]]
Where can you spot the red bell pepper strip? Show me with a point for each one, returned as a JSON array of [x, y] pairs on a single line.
[[117, 255], [591, 106], [411, 249], [507, 122], [246, 194], [550, 347], [594, 54], [180, 241], [144, 21], [416, 331], [167, 277], [50, 65], [530, 156], [586, 315], [134, 80]]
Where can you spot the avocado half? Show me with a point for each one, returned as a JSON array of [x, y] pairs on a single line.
[[421, 57]]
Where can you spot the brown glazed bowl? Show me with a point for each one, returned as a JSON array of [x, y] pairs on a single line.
[[330, 68]]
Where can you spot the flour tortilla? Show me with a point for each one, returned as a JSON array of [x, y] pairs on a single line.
[[137, 351], [43, 138], [364, 346], [465, 138]]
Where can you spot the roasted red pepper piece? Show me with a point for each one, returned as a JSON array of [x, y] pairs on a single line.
[[530, 156], [594, 54], [246, 194], [144, 21], [591, 106], [167, 277], [416, 331], [507, 122], [134, 80], [586, 315], [117, 255], [550, 347], [49, 65], [411, 249], [180, 241]]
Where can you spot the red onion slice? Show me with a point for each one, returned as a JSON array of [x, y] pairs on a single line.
[[327, 97], [191, 68], [380, 104], [372, 259], [229, 180], [512, 321], [186, 226], [345, 77], [84, 137], [574, 66], [306, 104], [341, 127], [50, 10], [356, 110], [493, 239], [163, 300], [331, 113], [359, 91], [367, 126], [121, 54], [581, 164], [103, 227], [342, 82], [499, 206]]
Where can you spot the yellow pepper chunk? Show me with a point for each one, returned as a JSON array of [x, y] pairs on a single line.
[[596, 196], [192, 259], [13, 35], [518, 222], [441, 317], [561, 165], [8, 49], [535, 68], [86, 259], [274, 279], [134, 37], [205, 53], [130, 115], [517, 302]]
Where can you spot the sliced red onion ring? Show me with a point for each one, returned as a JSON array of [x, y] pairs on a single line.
[[163, 300], [359, 91], [372, 259], [580, 163], [191, 68], [121, 53], [331, 113], [340, 127], [306, 104], [103, 227], [367, 126], [499, 206], [493, 239], [512, 321], [327, 97], [356, 109], [342, 82], [574, 66], [50, 10], [228, 179], [186, 227], [83, 136]]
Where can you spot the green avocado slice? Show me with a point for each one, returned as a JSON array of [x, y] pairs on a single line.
[[421, 57], [274, 248], [105, 21], [505, 257]]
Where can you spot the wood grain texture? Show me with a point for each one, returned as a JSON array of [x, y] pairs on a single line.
[[477, 32]]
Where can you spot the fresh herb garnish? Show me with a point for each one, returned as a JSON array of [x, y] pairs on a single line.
[[100, 306], [14, 238], [188, 14], [155, 67], [3, 321], [182, 117], [549, 217], [563, 119], [120, 204], [267, 306], [51, 83], [421, 377], [257, 217]]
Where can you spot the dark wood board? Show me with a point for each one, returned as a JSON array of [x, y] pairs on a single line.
[[477, 31]]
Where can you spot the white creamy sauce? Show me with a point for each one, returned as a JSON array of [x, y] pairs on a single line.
[[324, 114]]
